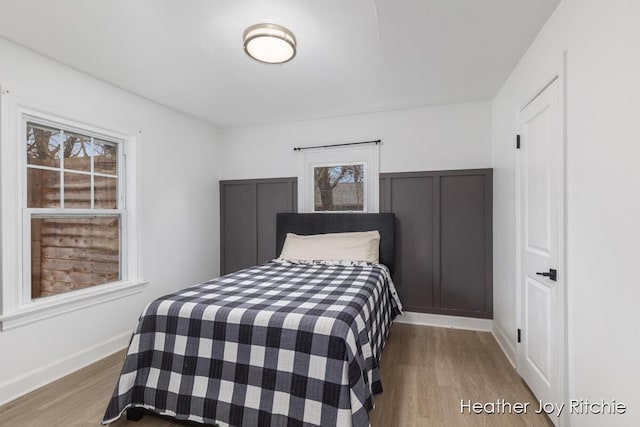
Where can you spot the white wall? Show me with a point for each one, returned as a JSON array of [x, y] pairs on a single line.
[[179, 217], [602, 39], [432, 138]]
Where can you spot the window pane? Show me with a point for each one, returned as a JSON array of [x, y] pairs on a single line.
[[77, 191], [77, 152], [339, 188], [43, 145], [105, 157], [73, 253], [105, 193], [43, 188]]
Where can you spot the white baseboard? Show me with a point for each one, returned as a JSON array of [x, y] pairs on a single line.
[[445, 321], [26, 383], [505, 344], [468, 323]]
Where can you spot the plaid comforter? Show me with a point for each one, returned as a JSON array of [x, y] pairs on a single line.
[[280, 344]]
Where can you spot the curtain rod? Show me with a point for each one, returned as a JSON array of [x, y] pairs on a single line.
[[377, 141]]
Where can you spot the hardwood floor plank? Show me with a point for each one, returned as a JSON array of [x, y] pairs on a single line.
[[425, 373]]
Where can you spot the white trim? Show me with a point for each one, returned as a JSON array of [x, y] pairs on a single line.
[[556, 72], [445, 321], [18, 309], [44, 308], [24, 163], [114, 133], [369, 156], [464, 323], [11, 234], [92, 175], [72, 213], [505, 344], [52, 169], [44, 375]]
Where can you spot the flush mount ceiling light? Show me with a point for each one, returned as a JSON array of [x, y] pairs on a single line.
[[270, 43]]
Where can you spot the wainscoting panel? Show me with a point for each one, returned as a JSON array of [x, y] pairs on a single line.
[[443, 234], [414, 254], [238, 226], [272, 198], [444, 240], [248, 211]]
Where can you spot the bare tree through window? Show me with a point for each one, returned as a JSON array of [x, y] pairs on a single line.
[[339, 188]]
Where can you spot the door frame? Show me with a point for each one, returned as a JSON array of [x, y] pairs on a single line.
[[557, 72]]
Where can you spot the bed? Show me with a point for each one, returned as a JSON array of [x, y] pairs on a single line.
[[280, 344]]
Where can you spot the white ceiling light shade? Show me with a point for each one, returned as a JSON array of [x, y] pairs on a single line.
[[270, 43]]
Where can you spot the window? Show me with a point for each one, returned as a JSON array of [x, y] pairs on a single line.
[[69, 224], [73, 210], [338, 188], [341, 179]]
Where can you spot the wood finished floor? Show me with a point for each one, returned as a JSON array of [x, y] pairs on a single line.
[[425, 373]]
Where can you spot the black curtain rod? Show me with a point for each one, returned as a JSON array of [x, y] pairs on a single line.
[[377, 141]]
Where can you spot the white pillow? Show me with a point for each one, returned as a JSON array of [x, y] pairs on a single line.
[[357, 246]]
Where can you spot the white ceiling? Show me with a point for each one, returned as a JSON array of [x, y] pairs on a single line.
[[353, 55]]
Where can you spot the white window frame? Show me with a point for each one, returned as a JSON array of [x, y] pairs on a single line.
[[366, 155], [17, 306]]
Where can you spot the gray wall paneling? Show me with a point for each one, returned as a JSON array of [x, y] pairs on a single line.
[[272, 198], [238, 226], [248, 219], [415, 262], [444, 239], [443, 229]]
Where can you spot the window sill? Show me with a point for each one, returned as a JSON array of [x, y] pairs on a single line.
[[65, 303]]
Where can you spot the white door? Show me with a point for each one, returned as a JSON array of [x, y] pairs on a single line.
[[541, 201]]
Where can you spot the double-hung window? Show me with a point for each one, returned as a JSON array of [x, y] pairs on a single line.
[[74, 209], [69, 225]]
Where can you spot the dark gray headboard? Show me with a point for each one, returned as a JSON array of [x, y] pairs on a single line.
[[309, 223]]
